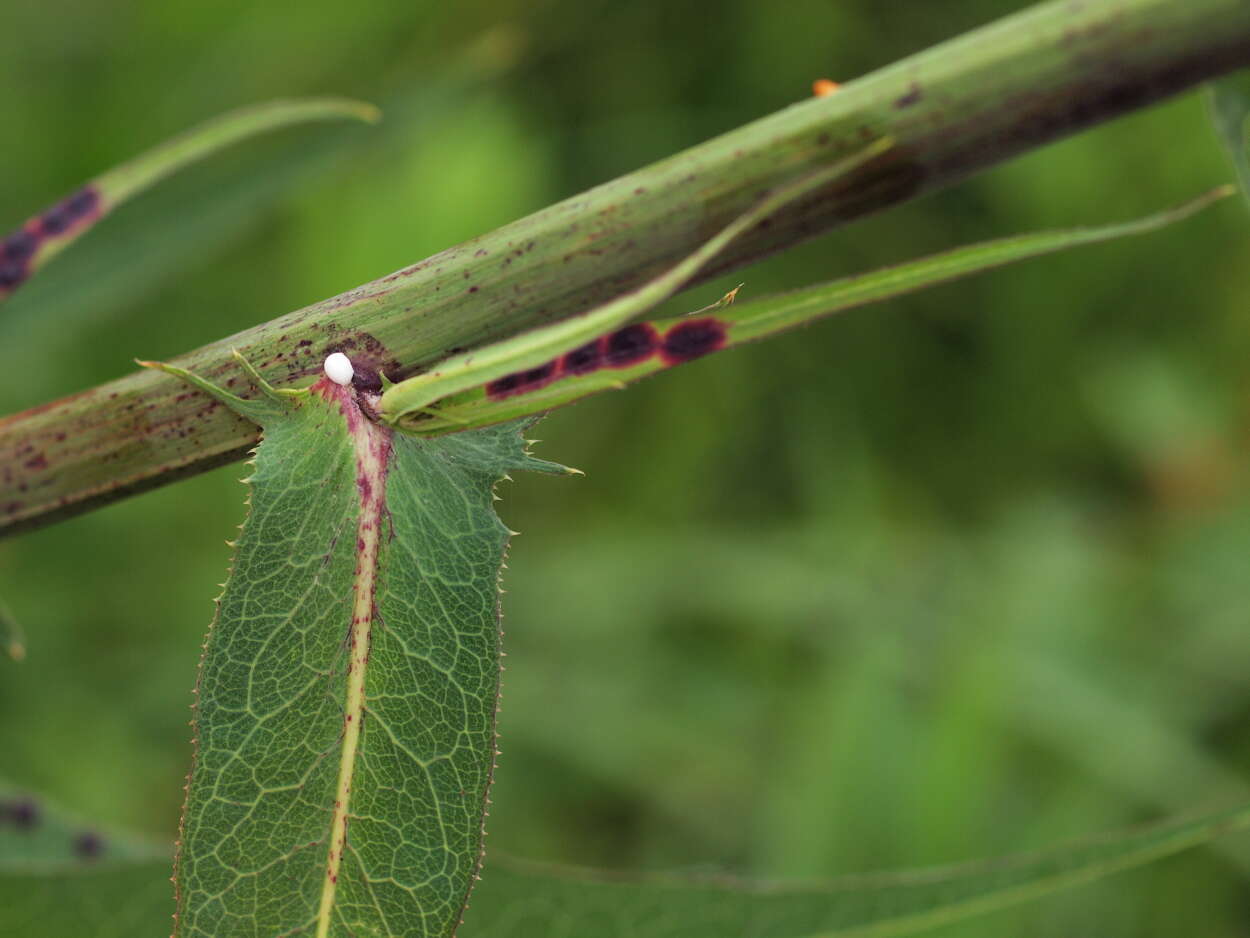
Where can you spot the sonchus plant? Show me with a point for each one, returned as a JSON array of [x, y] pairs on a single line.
[[350, 678], [345, 707]]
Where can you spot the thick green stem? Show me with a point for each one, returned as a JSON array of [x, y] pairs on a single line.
[[955, 109]]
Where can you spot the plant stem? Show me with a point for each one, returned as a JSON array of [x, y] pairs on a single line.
[[958, 108]]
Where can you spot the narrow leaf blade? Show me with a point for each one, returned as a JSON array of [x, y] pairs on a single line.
[[620, 358], [521, 900], [37, 837], [127, 893], [61, 876], [39, 239], [410, 398]]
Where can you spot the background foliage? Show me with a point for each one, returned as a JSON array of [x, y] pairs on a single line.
[[950, 577]]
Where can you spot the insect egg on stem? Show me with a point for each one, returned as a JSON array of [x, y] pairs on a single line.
[[339, 368]]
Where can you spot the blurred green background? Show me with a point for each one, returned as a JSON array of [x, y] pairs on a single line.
[[951, 577]]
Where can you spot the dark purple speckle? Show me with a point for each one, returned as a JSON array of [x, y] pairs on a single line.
[[22, 813], [88, 845]]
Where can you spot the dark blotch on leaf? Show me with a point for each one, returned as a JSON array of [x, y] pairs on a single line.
[[22, 813], [62, 216], [630, 345], [522, 381], [502, 387], [689, 340], [82, 203], [55, 220], [11, 274], [540, 375], [88, 845], [19, 246], [584, 359]]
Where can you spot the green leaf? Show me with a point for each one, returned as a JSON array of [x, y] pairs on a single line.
[[60, 876], [346, 711], [519, 900], [36, 837], [45, 235], [1230, 112], [667, 343], [129, 895]]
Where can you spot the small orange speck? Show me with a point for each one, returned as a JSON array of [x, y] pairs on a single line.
[[823, 87]]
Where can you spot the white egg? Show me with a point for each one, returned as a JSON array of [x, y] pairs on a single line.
[[339, 368]]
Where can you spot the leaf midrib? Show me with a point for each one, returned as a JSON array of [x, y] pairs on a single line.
[[371, 444]]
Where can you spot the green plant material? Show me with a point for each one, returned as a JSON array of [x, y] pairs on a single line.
[[102, 900], [12, 636], [664, 344], [1230, 112], [180, 228], [954, 109], [38, 838], [346, 700], [409, 400], [128, 894], [60, 876], [45, 235], [63, 877], [519, 900]]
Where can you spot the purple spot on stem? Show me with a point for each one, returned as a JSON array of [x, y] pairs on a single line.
[[913, 96]]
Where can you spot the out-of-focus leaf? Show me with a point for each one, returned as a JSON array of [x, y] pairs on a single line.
[[1230, 112], [37, 837], [187, 221], [61, 877], [45, 235], [346, 715], [57, 879], [519, 900]]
